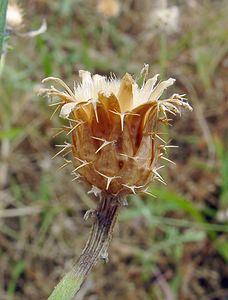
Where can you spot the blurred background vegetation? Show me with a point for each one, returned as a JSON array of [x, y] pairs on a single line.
[[170, 247]]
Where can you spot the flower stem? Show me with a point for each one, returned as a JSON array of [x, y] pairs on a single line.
[[96, 248]]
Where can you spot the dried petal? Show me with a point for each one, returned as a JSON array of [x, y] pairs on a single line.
[[125, 95], [67, 109]]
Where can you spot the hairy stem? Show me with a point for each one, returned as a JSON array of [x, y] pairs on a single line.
[[96, 248]]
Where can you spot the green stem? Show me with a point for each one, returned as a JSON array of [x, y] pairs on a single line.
[[163, 55], [96, 247], [3, 9]]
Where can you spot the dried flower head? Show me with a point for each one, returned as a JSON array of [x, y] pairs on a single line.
[[15, 21], [114, 128], [108, 8], [14, 16]]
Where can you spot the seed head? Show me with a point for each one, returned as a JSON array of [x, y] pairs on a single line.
[[15, 21], [14, 16], [164, 18], [114, 128]]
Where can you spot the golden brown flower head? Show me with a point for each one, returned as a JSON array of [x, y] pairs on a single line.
[[108, 8], [114, 127]]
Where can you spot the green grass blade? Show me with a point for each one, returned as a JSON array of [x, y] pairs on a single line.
[[11, 134], [16, 273], [3, 9], [180, 201]]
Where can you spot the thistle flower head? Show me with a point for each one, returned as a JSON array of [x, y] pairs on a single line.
[[114, 128]]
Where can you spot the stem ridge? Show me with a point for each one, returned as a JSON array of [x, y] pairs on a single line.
[[104, 219]]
